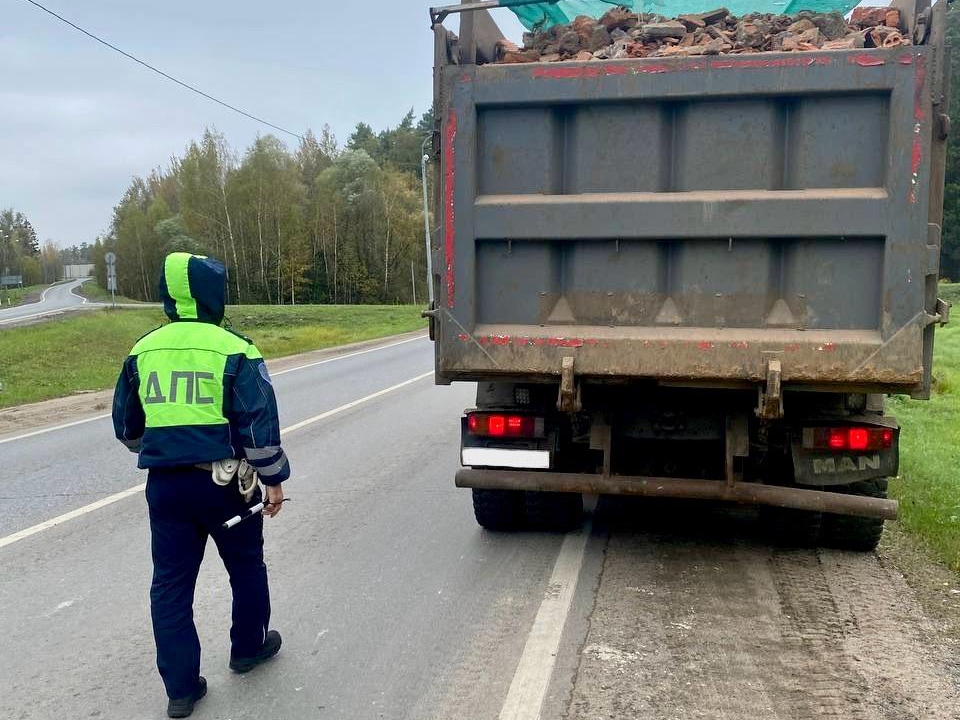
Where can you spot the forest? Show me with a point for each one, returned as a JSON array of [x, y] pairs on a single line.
[[316, 224]]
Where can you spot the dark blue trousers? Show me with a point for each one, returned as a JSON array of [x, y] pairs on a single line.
[[186, 506]]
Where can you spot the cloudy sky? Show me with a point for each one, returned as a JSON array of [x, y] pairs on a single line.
[[77, 120]]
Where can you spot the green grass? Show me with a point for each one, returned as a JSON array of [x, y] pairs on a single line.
[[287, 330], [92, 290], [14, 296], [949, 292], [929, 484], [84, 351]]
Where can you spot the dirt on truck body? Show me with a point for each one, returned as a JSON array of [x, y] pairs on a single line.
[[689, 276]]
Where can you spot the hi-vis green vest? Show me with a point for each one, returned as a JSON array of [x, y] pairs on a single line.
[[181, 369]]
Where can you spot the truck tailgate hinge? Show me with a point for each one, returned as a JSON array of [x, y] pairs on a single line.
[[941, 315], [569, 398], [771, 397]]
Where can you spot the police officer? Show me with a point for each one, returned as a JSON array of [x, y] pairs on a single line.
[[192, 394]]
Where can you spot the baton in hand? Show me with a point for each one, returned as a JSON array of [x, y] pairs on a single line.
[[249, 512]]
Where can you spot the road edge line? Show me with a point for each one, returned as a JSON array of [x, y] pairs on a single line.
[[531, 680], [42, 431], [60, 519]]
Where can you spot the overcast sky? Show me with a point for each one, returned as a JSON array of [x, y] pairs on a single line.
[[78, 121]]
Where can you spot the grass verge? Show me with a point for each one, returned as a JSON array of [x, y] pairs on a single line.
[[84, 351], [92, 291], [12, 297], [928, 487]]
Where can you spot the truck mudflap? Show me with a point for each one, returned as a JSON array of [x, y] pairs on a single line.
[[834, 460], [745, 493]]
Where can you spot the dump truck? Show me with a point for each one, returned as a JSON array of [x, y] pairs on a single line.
[[689, 277]]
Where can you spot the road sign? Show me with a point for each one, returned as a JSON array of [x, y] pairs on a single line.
[[111, 260]]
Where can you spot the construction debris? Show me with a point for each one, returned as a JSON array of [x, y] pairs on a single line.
[[621, 34]]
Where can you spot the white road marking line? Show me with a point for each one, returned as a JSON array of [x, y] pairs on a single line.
[[276, 374], [116, 497], [57, 311], [41, 431], [355, 403], [73, 291], [348, 355], [532, 677], [43, 299], [60, 519]]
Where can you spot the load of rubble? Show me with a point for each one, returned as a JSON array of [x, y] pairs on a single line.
[[622, 34]]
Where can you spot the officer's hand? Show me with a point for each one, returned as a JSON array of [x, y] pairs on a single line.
[[274, 500]]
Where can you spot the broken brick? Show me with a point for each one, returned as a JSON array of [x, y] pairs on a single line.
[[671, 29], [569, 43], [692, 22], [850, 42], [623, 34], [869, 16], [619, 19], [714, 16], [801, 25]]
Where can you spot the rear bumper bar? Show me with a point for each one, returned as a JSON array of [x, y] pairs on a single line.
[[738, 492]]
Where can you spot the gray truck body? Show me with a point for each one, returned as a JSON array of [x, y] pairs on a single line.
[[689, 219], [765, 225]]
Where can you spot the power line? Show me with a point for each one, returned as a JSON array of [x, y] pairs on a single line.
[[181, 83]]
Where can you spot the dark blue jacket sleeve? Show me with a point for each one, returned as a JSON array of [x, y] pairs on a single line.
[[128, 417], [253, 416]]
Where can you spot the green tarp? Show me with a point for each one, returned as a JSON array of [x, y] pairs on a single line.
[[547, 14]]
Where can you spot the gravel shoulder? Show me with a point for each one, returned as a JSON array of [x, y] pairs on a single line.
[[696, 617]]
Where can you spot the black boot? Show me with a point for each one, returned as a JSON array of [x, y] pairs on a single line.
[[270, 647], [183, 707]]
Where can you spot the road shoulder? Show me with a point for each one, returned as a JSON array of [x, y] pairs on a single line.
[[697, 618]]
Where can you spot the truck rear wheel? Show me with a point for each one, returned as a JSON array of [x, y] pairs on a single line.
[[553, 510], [498, 509], [791, 528], [855, 533]]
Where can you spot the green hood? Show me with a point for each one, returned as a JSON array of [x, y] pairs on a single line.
[[193, 287]]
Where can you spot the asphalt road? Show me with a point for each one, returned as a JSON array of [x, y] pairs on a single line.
[[55, 299], [394, 604]]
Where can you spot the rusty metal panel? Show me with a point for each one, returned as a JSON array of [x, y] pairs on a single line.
[[688, 219]]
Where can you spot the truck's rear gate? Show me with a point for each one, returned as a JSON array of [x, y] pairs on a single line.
[[689, 219]]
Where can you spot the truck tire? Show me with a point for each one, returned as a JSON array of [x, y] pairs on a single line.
[[498, 509], [554, 511], [855, 533], [787, 527]]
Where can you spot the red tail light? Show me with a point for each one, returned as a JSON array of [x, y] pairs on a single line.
[[837, 439], [856, 439], [502, 425]]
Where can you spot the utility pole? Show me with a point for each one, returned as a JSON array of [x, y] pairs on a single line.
[[413, 281]]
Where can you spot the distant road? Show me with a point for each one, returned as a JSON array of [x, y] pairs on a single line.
[[55, 300]]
